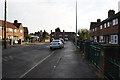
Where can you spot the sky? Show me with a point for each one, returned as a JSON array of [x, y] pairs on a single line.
[[49, 14]]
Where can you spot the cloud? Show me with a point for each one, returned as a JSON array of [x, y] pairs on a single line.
[[49, 14]]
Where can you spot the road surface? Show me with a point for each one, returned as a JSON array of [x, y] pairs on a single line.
[[38, 61]]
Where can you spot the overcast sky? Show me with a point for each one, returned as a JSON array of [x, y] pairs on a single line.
[[49, 14]]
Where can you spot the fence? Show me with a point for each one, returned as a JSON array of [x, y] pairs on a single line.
[[112, 61], [106, 58]]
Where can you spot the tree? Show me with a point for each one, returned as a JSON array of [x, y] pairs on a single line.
[[27, 37], [45, 35], [84, 34], [57, 30]]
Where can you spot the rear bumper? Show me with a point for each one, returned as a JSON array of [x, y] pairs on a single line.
[[56, 46]]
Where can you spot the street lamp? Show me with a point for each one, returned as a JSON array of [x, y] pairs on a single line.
[[76, 26], [5, 45]]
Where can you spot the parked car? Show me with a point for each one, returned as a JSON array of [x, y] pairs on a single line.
[[56, 44], [66, 39], [52, 39], [62, 40]]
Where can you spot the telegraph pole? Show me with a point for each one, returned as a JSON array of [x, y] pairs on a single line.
[[76, 26], [5, 45]]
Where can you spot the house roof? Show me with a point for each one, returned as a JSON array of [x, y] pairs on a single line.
[[8, 24], [93, 25], [112, 17], [17, 24]]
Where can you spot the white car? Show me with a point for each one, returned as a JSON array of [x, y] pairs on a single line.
[[66, 39], [62, 40], [56, 44]]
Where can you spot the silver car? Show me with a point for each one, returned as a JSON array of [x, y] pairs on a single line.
[[56, 44]]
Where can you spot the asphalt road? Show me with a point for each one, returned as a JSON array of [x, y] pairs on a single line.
[[38, 61]]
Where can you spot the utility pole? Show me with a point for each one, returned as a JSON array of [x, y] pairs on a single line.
[[76, 26], [5, 45]]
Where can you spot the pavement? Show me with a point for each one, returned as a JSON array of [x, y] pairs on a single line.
[[38, 61]]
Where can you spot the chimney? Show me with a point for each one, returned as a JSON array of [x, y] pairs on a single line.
[[51, 31], [111, 13], [15, 21], [98, 20], [40, 30]]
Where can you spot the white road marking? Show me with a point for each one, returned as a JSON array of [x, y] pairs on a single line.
[[6, 58], [36, 65], [3, 59], [54, 67]]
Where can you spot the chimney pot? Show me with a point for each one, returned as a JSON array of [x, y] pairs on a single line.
[[111, 13], [15, 21], [98, 20]]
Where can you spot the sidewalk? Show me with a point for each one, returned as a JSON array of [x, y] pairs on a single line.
[[73, 65]]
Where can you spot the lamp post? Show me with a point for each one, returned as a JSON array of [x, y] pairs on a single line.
[[76, 26], [5, 45]]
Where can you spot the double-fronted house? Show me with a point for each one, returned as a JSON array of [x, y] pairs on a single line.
[[14, 31], [108, 30]]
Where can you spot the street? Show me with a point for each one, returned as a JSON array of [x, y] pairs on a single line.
[[38, 61]]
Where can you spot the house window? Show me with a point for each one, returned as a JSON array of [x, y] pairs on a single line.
[[20, 37], [21, 31], [101, 39], [95, 29], [104, 25], [60, 35], [15, 30], [10, 37], [114, 39], [100, 26], [114, 21], [10, 29], [108, 24], [95, 38]]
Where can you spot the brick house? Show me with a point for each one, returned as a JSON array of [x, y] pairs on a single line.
[[63, 35], [108, 30], [25, 33], [14, 31]]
